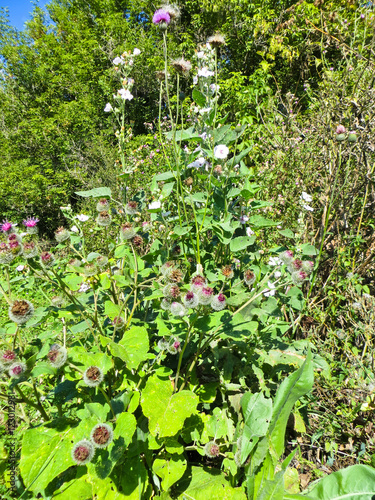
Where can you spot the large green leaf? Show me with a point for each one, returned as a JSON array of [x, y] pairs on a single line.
[[166, 411], [291, 389], [79, 489], [208, 484], [257, 411], [353, 483], [170, 469], [83, 359], [46, 452], [241, 242], [102, 192], [133, 347]]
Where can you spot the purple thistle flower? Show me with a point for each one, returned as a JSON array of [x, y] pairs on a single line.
[[161, 17], [31, 222], [6, 226]]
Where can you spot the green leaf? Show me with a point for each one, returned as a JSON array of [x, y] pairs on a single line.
[[170, 469], [287, 233], [273, 489], [79, 489], [133, 347], [166, 411], [180, 231], [356, 482], [184, 135], [73, 281], [257, 411], [241, 242], [102, 192], [111, 310], [207, 484], [124, 430], [309, 249], [83, 359], [46, 452], [260, 221], [199, 98], [43, 368], [291, 389], [80, 327], [165, 176]]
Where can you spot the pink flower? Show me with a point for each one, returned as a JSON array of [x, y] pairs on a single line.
[[6, 226], [161, 17], [340, 129], [31, 222]]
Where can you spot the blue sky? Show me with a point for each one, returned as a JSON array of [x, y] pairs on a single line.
[[20, 11]]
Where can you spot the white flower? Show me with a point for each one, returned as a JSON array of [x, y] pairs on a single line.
[[84, 287], [82, 217], [195, 80], [118, 60], [277, 274], [200, 54], [214, 88], [136, 52], [306, 197], [74, 229], [244, 219], [154, 205], [108, 108], [202, 111], [66, 208], [20, 268], [249, 231], [270, 291], [221, 151], [205, 72], [125, 94], [274, 261], [307, 207]]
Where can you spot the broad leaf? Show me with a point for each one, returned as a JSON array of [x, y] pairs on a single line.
[[102, 192]]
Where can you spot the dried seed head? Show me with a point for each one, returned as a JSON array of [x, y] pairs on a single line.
[[57, 355], [93, 376], [249, 277], [216, 40], [104, 219], [181, 66], [227, 272], [21, 311]]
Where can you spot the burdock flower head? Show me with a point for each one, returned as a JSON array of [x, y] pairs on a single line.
[[286, 257], [212, 450], [102, 205], [104, 219], [62, 234], [298, 277], [17, 369], [102, 261], [173, 346], [295, 265], [47, 259], [29, 250], [216, 40], [205, 295], [127, 231], [131, 207], [190, 300], [340, 133], [6, 255], [227, 272], [197, 282], [178, 309], [90, 269], [167, 268], [307, 266], [218, 302], [161, 18], [93, 376], [249, 277], [57, 355], [31, 225], [171, 291], [118, 322], [21, 311], [8, 357], [57, 301], [181, 66], [83, 452], [101, 435]]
